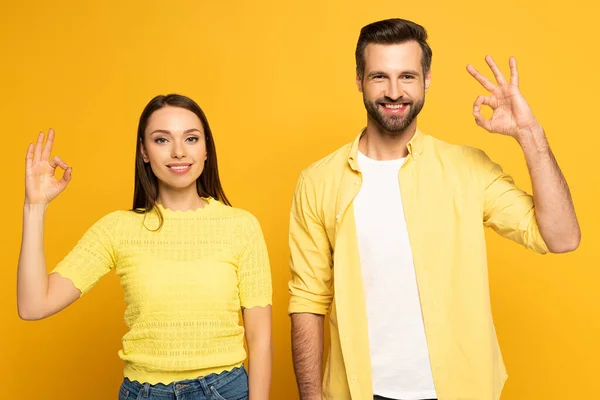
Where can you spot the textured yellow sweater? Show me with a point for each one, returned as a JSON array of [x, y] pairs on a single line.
[[184, 285]]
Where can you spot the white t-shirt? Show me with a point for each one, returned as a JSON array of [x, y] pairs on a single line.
[[399, 354]]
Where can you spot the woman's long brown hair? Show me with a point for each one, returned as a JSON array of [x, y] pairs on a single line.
[[208, 184]]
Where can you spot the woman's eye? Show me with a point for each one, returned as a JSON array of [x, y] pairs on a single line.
[[161, 140], [192, 139]]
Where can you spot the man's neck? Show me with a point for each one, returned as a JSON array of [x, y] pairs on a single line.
[[380, 145]]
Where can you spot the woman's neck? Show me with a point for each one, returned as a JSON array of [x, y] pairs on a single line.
[[180, 199]]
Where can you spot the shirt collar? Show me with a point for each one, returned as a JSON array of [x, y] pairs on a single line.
[[414, 146]]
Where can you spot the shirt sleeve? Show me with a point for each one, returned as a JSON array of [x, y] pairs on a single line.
[[311, 284], [92, 257], [508, 210], [254, 270]]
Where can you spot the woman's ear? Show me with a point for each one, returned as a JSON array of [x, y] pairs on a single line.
[[144, 152]]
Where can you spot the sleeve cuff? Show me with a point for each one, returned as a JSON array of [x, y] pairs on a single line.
[[300, 305], [258, 302]]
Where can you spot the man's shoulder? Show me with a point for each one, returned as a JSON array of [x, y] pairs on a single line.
[[329, 166], [458, 152]]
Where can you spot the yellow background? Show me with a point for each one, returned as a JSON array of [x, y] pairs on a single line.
[[276, 80]]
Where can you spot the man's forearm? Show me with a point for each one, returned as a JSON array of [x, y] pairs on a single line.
[[554, 210], [307, 352]]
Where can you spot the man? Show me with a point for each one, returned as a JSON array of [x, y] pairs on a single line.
[[387, 235]]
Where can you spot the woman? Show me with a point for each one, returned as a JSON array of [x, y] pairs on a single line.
[[187, 261]]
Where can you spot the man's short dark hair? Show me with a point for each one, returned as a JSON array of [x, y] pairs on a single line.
[[392, 31]]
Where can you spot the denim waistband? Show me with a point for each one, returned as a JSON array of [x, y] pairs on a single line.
[[189, 385]]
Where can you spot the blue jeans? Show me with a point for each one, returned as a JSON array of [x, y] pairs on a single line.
[[228, 385]]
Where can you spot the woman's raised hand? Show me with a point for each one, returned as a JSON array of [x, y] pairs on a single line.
[[41, 187]]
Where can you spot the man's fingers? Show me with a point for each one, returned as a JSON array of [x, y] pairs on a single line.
[[482, 122], [483, 101], [514, 73], [497, 73], [485, 82], [479, 118]]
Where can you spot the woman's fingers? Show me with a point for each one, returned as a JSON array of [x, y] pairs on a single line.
[[29, 156], [58, 162], [47, 150], [39, 145], [66, 178]]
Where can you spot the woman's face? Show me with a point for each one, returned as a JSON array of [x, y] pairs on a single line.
[[175, 146]]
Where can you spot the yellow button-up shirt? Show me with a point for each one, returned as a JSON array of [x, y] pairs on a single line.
[[449, 193]]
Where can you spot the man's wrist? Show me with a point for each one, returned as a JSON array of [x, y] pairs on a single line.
[[532, 138]]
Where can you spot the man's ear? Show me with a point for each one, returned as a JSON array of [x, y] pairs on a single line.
[[359, 83], [427, 80]]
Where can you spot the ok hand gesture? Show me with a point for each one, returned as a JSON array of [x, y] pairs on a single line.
[[41, 186], [511, 113]]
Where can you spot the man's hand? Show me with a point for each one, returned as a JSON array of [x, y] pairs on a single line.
[[512, 115]]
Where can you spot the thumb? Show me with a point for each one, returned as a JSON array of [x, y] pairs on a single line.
[[66, 178]]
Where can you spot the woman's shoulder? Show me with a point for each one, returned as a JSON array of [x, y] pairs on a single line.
[[119, 218], [237, 214]]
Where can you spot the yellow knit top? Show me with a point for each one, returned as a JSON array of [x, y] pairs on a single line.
[[184, 285]]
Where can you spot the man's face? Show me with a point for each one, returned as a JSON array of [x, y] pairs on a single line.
[[393, 85]]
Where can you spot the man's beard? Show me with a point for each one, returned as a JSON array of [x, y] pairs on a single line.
[[393, 124]]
